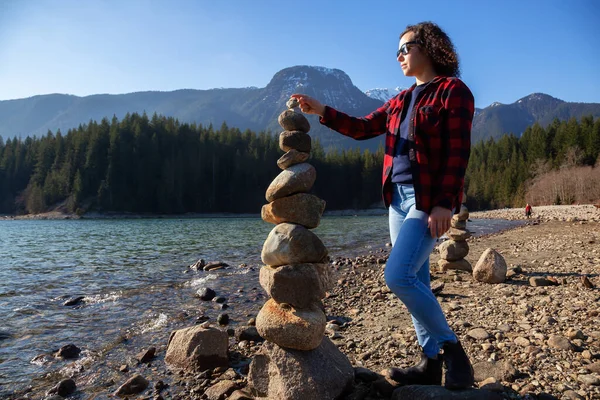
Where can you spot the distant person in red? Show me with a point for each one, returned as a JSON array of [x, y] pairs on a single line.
[[528, 210], [427, 132]]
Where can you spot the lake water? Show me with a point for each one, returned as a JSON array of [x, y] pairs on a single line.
[[134, 278]]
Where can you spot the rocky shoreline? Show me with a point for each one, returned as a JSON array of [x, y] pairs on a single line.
[[570, 213], [535, 336]]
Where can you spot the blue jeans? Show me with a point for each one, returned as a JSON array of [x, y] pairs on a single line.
[[407, 270]]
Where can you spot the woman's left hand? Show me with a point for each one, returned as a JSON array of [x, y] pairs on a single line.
[[439, 221]]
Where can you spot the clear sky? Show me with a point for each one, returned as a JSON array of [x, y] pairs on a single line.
[[508, 49]]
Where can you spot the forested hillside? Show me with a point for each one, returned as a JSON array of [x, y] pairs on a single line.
[[159, 165], [550, 165]]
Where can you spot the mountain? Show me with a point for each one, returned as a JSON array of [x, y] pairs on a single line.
[[245, 108], [383, 94], [499, 119], [258, 108]]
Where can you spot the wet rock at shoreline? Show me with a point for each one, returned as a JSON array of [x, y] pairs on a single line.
[[299, 285], [293, 121], [302, 209], [292, 157], [74, 301], [206, 294], [491, 267], [221, 390], [292, 244], [223, 319], [249, 333], [299, 329], [198, 265], [64, 388], [197, 348], [68, 352], [134, 385], [283, 374], [297, 178], [214, 265], [146, 356]]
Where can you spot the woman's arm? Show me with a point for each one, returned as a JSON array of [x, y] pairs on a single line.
[[362, 128]]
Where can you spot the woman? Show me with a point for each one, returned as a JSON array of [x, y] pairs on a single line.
[[427, 147]]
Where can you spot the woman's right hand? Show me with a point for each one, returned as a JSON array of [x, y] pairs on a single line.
[[308, 105]]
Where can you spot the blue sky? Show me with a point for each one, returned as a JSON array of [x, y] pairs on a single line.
[[508, 49]]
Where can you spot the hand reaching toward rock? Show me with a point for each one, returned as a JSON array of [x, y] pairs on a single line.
[[308, 105]]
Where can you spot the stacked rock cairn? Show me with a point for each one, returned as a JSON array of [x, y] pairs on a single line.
[[297, 361], [454, 251]]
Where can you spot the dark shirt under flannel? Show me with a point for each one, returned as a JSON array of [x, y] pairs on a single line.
[[439, 140]]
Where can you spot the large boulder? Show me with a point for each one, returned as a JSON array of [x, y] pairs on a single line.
[[293, 121], [292, 244], [302, 209], [491, 267], [299, 285], [453, 251], [299, 329], [283, 374], [292, 157], [296, 140], [197, 348], [298, 178]]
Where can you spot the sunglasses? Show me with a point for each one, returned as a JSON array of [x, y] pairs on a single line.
[[404, 48]]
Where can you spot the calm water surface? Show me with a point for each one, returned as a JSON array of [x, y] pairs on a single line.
[[134, 278]]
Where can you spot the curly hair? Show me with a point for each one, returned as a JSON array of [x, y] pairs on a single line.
[[438, 47]]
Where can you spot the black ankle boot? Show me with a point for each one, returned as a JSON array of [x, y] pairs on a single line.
[[427, 372], [459, 372]]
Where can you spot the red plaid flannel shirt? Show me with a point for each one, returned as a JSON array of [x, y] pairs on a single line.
[[439, 139]]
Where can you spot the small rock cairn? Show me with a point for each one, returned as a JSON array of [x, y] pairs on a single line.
[[454, 251], [297, 361]]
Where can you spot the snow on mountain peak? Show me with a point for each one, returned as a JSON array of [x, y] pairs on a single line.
[[383, 94]]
